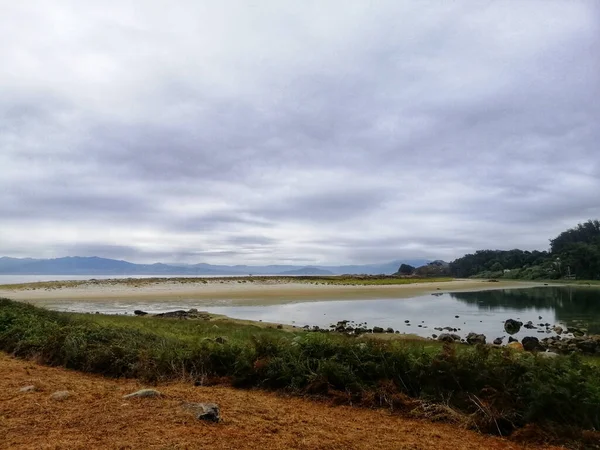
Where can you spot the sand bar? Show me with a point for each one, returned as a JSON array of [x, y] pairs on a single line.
[[259, 292]]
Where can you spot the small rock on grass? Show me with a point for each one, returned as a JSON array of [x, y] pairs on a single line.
[[204, 411], [144, 393], [60, 395], [27, 389]]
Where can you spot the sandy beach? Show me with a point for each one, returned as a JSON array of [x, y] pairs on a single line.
[[236, 292]]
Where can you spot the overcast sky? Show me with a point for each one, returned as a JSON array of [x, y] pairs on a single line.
[[296, 131]]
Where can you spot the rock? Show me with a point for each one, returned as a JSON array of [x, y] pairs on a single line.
[[204, 411], [512, 326], [377, 330], [389, 330], [456, 317], [446, 337], [279, 327], [434, 336], [576, 331], [512, 339], [144, 393], [531, 344], [498, 341], [558, 330], [60, 395], [548, 354], [406, 321], [139, 312], [516, 346], [30, 388], [530, 326], [474, 338]]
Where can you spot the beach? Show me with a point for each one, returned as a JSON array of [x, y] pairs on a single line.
[[263, 291]]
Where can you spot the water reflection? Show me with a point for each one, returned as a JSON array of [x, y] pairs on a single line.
[[569, 305]]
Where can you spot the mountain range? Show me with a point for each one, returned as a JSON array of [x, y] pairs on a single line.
[[79, 265]]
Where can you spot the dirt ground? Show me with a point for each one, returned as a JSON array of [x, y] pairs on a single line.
[[97, 416]]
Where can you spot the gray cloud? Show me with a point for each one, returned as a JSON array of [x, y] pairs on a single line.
[[322, 133]]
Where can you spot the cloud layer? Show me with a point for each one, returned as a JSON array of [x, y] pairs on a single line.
[[307, 132]]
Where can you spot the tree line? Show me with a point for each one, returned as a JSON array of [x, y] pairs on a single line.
[[573, 253]]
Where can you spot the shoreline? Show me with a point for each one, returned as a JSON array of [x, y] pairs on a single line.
[[237, 292]]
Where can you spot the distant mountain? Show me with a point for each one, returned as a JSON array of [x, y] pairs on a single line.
[[307, 271], [77, 265]]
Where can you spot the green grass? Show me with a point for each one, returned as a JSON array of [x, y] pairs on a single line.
[[499, 390]]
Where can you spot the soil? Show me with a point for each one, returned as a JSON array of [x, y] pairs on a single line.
[[95, 416]]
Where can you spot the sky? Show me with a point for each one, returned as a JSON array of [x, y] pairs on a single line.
[[275, 131]]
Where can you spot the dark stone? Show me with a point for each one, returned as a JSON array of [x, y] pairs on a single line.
[[446, 337], [531, 344], [205, 411], [512, 339], [139, 312], [474, 338], [498, 341], [377, 330], [512, 326], [389, 330]]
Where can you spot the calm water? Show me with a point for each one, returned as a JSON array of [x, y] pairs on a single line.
[[481, 312]]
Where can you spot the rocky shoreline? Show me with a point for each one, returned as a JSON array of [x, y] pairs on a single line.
[[564, 341]]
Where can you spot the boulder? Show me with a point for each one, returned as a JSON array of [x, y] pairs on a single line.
[[512, 339], [498, 341], [139, 312], [558, 330], [446, 337], [531, 344], [389, 330], [512, 326], [144, 393], [530, 326], [30, 388], [474, 338], [575, 331], [377, 330], [204, 411]]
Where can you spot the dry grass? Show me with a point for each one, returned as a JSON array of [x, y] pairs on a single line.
[[96, 416]]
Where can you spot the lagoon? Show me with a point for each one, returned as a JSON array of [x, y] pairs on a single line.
[[481, 311]]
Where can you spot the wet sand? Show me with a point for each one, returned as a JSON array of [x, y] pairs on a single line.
[[236, 292]]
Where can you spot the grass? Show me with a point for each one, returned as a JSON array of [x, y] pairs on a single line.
[[497, 389]]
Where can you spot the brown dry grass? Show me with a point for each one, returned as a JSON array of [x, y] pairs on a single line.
[[96, 416]]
